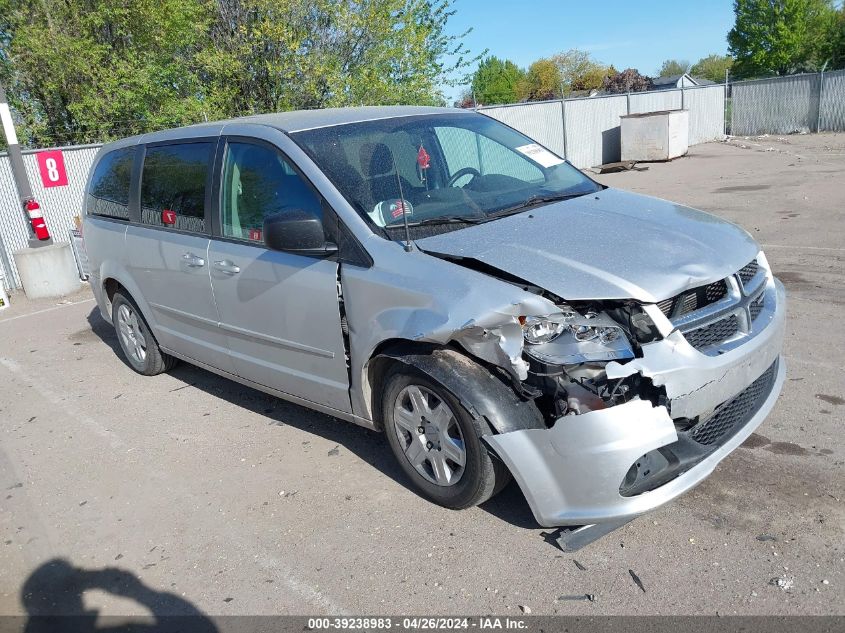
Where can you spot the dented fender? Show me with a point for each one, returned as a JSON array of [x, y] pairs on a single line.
[[483, 395], [418, 298]]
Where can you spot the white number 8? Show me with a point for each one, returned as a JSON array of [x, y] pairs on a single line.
[[52, 169]]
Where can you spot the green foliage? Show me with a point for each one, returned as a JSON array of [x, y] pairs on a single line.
[[541, 82], [712, 67], [92, 70], [593, 78], [780, 36], [497, 81], [579, 71], [672, 67]]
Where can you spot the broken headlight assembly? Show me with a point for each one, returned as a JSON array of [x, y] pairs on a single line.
[[570, 337]]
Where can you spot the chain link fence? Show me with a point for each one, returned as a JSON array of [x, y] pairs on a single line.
[[59, 204], [811, 102]]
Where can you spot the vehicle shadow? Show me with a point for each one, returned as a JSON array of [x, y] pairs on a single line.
[[53, 598], [509, 505]]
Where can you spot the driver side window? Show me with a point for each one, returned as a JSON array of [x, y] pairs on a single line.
[[464, 149], [258, 181]]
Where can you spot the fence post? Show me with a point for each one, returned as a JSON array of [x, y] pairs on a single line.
[[821, 91], [725, 108], [563, 123], [628, 101]]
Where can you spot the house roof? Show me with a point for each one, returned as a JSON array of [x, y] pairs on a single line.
[[668, 80], [672, 80]]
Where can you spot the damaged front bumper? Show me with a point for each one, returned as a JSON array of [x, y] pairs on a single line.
[[611, 465]]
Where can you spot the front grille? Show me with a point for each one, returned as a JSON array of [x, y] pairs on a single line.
[[694, 299], [756, 306], [731, 415], [747, 272], [714, 333]]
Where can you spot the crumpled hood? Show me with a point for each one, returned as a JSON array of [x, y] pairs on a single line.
[[608, 245]]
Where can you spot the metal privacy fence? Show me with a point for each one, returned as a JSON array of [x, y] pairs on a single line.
[[586, 130], [59, 204], [812, 102]]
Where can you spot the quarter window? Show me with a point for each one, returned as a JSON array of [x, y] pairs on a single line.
[[258, 181], [173, 186], [109, 193]]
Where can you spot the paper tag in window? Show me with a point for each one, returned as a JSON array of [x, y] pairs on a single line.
[[255, 235], [539, 155]]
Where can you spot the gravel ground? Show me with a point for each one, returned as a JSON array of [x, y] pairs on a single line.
[[186, 491]]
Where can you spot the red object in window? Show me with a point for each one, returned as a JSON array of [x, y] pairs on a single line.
[[51, 165], [168, 217], [36, 220], [423, 159], [255, 234]]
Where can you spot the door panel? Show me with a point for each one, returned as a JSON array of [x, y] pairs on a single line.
[[171, 269], [168, 252], [280, 311], [281, 316]]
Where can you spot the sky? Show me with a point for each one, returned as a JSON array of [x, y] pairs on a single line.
[[628, 34]]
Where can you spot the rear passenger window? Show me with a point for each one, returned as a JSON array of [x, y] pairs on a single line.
[[257, 182], [109, 193], [173, 186]]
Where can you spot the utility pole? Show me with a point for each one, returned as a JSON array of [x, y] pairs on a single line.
[[28, 204]]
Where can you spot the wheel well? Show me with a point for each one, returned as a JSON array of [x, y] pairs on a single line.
[[380, 362], [111, 286], [483, 392]]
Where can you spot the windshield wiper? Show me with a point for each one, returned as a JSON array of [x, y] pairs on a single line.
[[443, 219], [535, 200]]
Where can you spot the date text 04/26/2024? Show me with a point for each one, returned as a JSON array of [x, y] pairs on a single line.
[[417, 623]]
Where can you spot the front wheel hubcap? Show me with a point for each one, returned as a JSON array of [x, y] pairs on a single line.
[[429, 435], [131, 337]]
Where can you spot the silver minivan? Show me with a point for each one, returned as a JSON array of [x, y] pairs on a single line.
[[437, 275]]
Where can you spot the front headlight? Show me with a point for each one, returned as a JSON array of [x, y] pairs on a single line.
[[537, 330], [569, 337]]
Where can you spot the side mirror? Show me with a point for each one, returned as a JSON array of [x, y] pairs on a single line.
[[296, 231]]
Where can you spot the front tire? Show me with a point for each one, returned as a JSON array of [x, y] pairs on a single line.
[[437, 442], [139, 347]]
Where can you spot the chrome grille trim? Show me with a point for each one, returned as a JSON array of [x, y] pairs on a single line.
[[714, 327]]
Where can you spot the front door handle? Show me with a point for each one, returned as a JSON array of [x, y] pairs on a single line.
[[194, 261], [225, 266]]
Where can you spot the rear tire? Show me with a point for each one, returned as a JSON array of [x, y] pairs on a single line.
[[140, 349], [437, 442]]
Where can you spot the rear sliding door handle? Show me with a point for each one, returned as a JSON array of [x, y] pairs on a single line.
[[225, 266], [194, 261]]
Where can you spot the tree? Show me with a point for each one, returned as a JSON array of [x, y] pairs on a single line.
[[712, 67], [779, 36], [579, 71], [541, 82], [629, 80], [81, 72], [672, 67], [268, 55], [497, 81], [114, 69], [834, 48], [593, 78]]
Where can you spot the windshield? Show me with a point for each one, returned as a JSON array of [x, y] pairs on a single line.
[[447, 169]]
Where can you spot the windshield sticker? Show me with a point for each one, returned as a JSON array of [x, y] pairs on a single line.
[[539, 155]]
